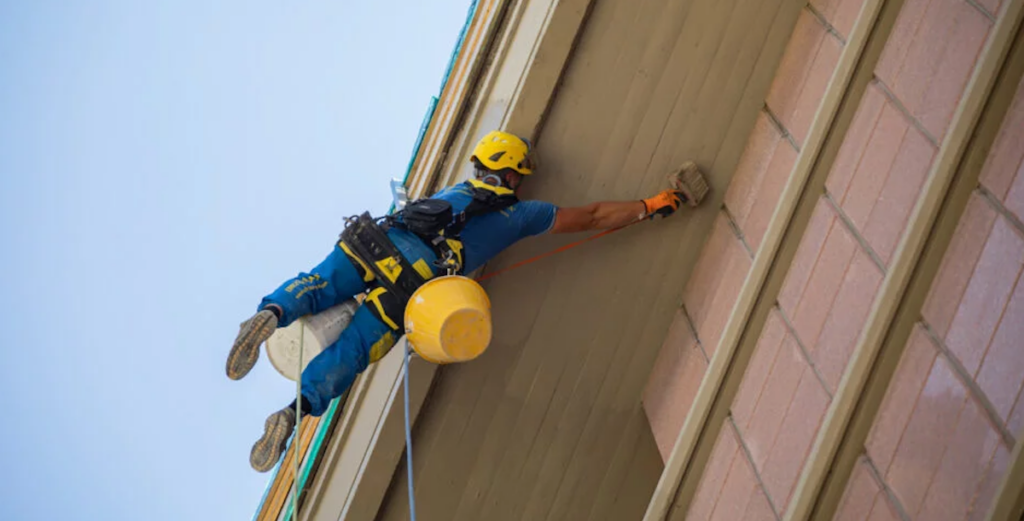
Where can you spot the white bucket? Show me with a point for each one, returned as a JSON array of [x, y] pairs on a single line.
[[322, 330]]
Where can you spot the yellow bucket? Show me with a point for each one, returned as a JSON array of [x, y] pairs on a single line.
[[448, 320]]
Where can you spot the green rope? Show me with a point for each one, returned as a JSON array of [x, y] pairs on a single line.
[[313, 449]]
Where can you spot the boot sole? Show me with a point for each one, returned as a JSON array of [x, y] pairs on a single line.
[[691, 182], [246, 349], [267, 450]]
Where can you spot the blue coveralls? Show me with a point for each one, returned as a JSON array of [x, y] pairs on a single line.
[[367, 339]]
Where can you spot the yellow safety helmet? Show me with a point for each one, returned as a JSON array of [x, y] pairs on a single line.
[[500, 150]]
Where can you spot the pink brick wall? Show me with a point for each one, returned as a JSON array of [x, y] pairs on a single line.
[[950, 418], [678, 372], [730, 488], [945, 430], [865, 498], [842, 259], [803, 74], [686, 351], [783, 397]]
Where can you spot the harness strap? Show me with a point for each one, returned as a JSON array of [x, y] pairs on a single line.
[[374, 249], [447, 243], [392, 278], [387, 308], [361, 267], [486, 199]]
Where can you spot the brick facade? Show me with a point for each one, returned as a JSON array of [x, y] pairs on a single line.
[[944, 433]]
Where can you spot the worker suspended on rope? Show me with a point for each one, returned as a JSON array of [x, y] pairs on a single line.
[[386, 259]]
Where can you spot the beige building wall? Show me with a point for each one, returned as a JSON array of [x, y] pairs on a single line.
[[549, 424]]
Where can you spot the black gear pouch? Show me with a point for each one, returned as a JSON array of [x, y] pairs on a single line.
[[427, 217]]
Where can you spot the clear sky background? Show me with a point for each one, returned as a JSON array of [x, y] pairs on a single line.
[[163, 165]]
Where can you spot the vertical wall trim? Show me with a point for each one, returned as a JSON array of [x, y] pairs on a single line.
[[1009, 502]]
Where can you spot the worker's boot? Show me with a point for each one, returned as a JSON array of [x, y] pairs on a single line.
[[267, 450], [246, 349], [688, 180]]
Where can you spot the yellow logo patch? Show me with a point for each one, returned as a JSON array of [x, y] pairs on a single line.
[[299, 282]]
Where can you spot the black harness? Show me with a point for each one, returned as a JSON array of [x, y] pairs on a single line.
[[394, 279], [433, 221]]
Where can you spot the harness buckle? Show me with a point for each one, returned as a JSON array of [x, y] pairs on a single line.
[[449, 263]]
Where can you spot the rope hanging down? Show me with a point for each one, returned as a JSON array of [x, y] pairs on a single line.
[[296, 454]]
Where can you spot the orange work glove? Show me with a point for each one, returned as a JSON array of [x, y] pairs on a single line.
[[664, 204]]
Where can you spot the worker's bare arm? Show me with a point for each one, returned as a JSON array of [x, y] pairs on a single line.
[[597, 216]]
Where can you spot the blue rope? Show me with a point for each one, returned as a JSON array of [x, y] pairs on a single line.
[[408, 437]]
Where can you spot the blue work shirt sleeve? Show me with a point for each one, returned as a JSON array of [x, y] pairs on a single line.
[[535, 217]]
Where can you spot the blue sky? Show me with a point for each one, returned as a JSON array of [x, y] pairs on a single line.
[[163, 165]]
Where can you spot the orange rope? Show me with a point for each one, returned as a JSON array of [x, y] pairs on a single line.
[[557, 250]]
